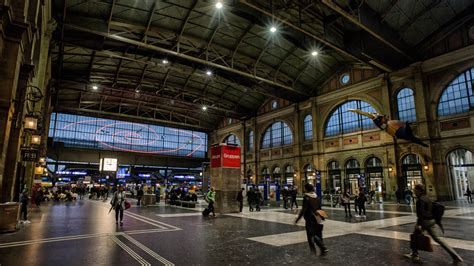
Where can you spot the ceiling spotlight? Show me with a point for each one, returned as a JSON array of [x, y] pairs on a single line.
[[273, 29], [314, 53], [165, 61], [204, 108], [95, 87], [208, 73], [219, 5]]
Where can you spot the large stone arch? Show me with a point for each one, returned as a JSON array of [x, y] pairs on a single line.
[[439, 87]]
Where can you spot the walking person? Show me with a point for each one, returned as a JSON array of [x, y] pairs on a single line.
[[346, 202], [118, 204], [24, 206], [361, 199], [356, 203], [314, 230], [258, 199], [240, 199], [285, 197], [211, 198], [469, 195], [251, 198], [426, 222], [398, 195], [293, 193], [139, 196]]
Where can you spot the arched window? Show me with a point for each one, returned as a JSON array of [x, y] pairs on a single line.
[[406, 105], [232, 139], [308, 127], [250, 140], [278, 134], [342, 121], [458, 96]]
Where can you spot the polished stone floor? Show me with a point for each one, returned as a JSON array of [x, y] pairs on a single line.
[[83, 233]]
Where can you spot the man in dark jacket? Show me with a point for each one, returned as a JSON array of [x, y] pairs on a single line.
[[251, 198], [314, 230], [139, 196], [426, 222], [240, 199], [24, 206]]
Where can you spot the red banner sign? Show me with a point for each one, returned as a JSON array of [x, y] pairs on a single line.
[[216, 157], [230, 156], [225, 156]]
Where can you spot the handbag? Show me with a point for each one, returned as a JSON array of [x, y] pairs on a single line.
[[127, 205], [320, 216], [419, 241]]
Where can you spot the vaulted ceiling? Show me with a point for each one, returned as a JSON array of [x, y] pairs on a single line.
[[162, 61]]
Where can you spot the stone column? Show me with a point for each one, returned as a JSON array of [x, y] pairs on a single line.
[[10, 61], [225, 178]]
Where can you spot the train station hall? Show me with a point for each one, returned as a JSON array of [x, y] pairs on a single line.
[[236, 132]]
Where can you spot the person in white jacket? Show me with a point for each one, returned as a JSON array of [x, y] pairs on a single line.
[[118, 204]]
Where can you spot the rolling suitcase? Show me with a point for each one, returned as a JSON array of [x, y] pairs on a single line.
[[206, 212]]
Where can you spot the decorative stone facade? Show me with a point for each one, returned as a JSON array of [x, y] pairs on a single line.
[[427, 79]]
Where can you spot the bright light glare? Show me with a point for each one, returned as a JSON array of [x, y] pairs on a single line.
[[165, 61], [208, 73], [314, 53], [95, 87], [137, 90], [219, 5], [273, 29], [204, 108]]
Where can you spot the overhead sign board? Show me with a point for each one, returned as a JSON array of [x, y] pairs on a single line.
[[225, 156], [29, 155]]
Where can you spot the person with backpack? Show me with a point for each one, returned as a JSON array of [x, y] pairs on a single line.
[[428, 215], [314, 230]]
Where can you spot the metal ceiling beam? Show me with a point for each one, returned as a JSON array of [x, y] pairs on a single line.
[[91, 65], [419, 14], [144, 38], [387, 10], [132, 117], [184, 56], [110, 15], [183, 25], [317, 38], [247, 30], [330, 4]]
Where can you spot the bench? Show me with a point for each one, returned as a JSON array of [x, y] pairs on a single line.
[[187, 204]]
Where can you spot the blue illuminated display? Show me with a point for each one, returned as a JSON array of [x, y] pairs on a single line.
[[95, 133]]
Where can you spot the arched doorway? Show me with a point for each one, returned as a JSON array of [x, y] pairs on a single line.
[[351, 181], [461, 168], [374, 174], [289, 175], [308, 175], [334, 177], [412, 171]]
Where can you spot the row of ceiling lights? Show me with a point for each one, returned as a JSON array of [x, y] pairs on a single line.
[[218, 5], [204, 108], [273, 29]]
